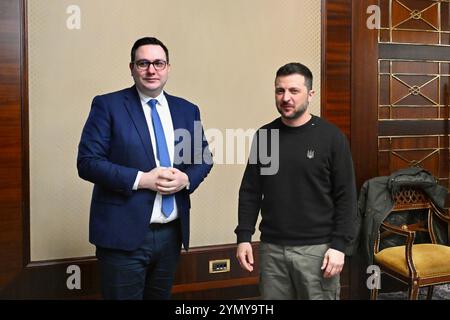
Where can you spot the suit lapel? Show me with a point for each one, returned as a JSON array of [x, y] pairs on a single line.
[[134, 107], [176, 112]]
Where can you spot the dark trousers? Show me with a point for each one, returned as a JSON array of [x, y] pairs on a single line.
[[147, 272]]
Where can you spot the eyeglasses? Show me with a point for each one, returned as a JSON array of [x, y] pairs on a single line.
[[143, 65]]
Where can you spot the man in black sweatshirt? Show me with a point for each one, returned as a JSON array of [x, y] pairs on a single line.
[[308, 206]]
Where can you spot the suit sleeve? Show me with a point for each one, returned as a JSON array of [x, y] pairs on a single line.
[[92, 162], [201, 160]]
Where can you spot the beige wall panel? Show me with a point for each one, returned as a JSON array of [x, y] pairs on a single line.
[[224, 55]]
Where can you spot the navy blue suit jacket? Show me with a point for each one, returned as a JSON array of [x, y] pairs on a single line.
[[115, 144]]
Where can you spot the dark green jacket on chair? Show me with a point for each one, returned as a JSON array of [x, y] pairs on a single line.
[[375, 202]]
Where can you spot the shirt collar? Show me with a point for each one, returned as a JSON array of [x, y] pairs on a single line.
[[145, 98]]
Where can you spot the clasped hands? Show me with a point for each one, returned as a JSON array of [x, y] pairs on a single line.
[[164, 180]]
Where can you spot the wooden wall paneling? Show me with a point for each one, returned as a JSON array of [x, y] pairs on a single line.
[[415, 21], [11, 154], [336, 63], [364, 113], [193, 280], [47, 279], [336, 90], [412, 127], [413, 95], [414, 52]]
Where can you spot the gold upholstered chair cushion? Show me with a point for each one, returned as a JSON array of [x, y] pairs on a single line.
[[430, 260]]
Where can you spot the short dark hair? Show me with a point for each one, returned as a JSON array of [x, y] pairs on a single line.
[[146, 41], [297, 68]]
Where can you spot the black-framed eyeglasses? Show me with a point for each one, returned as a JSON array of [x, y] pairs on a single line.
[[143, 65]]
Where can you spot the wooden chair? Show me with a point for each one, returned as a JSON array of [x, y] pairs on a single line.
[[415, 264]]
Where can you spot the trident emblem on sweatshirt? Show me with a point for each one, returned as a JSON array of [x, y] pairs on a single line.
[[310, 154]]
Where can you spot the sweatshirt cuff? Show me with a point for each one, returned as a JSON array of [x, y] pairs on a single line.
[[338, 244], [244, 236]]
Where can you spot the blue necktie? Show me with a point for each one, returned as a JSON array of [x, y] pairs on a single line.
[[162, 153]]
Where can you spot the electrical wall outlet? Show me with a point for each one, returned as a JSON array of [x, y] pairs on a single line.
[[218, 266]]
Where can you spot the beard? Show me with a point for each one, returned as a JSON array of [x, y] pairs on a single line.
[[298, 112]]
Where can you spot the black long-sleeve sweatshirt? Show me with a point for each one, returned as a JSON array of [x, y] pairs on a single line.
[[311, 199]]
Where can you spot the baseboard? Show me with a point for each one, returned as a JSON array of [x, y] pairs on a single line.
[[193, 280], [48, 279]]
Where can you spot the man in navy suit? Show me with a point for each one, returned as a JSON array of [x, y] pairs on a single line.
[[145, 152]]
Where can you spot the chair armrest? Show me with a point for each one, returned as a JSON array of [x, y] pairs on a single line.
[[441, 214], [403, 231], [411, 235]]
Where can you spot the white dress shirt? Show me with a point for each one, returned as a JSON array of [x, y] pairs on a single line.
[[166, 119]]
